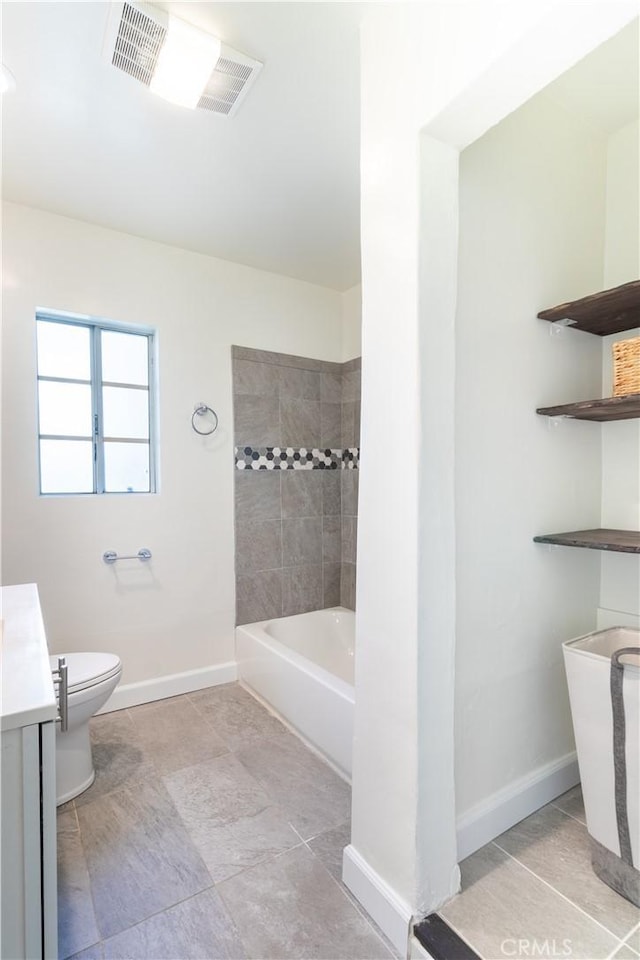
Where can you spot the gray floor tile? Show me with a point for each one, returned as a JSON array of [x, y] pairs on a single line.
[[633, 940], [234, 715], [572, 803], [77, 927], [312, 796], [174, 735], [230, 818], [95, 952], [118, 756], [502, 901], [556, 848], [625, 953], [328, 847], [291, 907], [196, 929], [140, 857]]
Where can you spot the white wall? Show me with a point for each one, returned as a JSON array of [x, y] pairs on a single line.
[[532, 220], [352, 323], [177, 613], [431, 51], [620, 588], [403, 829]]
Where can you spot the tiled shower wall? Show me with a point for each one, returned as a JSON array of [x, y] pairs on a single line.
[[297, 434]]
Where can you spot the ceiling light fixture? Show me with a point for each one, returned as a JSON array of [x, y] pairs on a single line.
[[185, 63], [176, 60]]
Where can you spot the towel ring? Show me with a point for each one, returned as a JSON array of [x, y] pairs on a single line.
[[201, 409]]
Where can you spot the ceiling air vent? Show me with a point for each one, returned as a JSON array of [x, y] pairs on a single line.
[[140, 33], [135, 34], [234, 74]]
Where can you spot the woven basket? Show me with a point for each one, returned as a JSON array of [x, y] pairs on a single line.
[[626, 367]]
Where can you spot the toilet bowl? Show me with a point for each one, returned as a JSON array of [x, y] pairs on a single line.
[[92, 678]]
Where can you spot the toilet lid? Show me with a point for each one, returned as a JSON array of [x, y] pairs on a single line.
[[86, 669]]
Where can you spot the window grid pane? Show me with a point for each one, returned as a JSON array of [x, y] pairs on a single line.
[[126, 467], [64, 350], [125, 413], [66, 466], [114, 397], [125, 357], [65, 408]]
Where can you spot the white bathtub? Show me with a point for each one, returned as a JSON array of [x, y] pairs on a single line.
[[303, 667]]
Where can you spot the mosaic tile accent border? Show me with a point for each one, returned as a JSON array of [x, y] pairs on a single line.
[[296, 458], [351, 458]]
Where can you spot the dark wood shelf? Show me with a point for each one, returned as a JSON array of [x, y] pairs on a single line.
[[617, 541], [609, 311], [610, 408]]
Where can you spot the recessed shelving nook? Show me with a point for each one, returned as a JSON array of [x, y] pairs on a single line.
[[602, 313]]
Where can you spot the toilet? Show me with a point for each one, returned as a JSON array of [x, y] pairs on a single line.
[[91, 679]]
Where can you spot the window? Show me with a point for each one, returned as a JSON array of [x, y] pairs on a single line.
[[95, 406]]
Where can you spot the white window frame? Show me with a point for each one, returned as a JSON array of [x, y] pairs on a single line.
[[95, 326]]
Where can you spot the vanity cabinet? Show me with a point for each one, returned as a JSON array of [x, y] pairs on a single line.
[[601, 314], [28, 711]]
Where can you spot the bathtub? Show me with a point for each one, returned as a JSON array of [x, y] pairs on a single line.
[[302, 667]]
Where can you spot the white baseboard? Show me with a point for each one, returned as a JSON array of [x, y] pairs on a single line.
[[172, 685], [509, 806], [382, 903]]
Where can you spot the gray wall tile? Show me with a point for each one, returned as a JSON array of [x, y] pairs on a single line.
[[330, 425], [299, 384], [256, 420], [259, 597], [331, 492], [331, 537], [331, 584], [351, 385], [349, 539], [257, 495], [355, 364], [258, 379], [258, 546], [331, 387], [348, 586], [300, 423], [301, 493], [307, 561], [350, 481], [349, 427], [301, 541], [301, 589], [286, 360]]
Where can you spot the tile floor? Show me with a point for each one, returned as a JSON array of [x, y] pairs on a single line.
[[532, 893], [210, 832]]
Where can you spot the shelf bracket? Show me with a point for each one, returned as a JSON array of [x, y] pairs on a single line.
[[558, 327], [554, 422]]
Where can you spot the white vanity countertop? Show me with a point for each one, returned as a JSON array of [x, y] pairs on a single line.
[[27, 694]]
